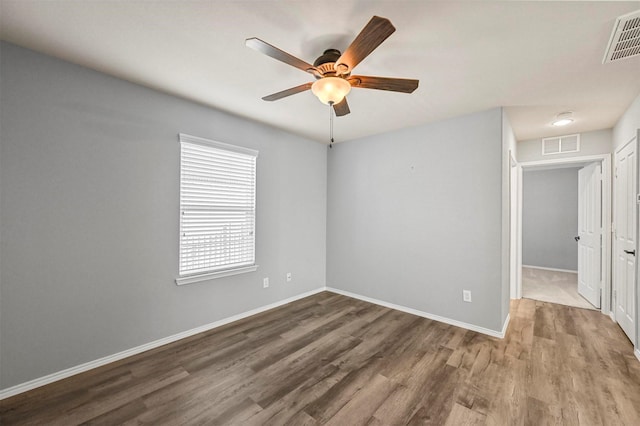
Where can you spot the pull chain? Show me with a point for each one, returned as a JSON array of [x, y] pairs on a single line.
[[331, 124]]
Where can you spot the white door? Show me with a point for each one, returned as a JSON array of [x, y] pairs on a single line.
[[625, 218], [590, 232]]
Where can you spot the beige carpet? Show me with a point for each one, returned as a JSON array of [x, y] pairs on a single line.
[[553, 286]]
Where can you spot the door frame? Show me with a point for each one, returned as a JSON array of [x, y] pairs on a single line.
[[605, 161], [637, 346], [514, 247]]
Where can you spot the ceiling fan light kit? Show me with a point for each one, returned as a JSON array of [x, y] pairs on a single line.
[[331, 90], [332, 69]]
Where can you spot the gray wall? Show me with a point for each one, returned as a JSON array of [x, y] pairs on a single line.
[[415, 216], [550, 218], [89, 216], [596, 142], [627, 127]]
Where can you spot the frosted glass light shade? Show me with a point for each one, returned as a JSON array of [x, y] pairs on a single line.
[[562, 122], [563, 119], [331, 89]]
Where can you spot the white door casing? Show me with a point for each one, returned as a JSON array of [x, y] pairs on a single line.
[[625, 219], [590, 232], [607, 252], [513, 225]]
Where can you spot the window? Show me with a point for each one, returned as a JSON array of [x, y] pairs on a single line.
[[217, 209]]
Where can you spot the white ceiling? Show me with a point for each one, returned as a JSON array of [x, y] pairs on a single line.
[[535, 58]]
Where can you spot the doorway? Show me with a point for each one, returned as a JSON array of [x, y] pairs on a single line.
[[562, 234], [600, 262]]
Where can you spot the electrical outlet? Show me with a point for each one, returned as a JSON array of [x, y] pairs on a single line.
[[466, 295], [288, 277], [265, 283]]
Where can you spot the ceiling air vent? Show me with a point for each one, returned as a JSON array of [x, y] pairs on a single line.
[[625, 38], [561, 144]]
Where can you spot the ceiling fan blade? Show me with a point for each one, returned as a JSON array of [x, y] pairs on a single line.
[[288, 92], [280, 55], [341, 108], [403, 85], [372, 35]]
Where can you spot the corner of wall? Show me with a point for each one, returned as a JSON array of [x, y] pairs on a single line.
[[508, 150], [627, 125]]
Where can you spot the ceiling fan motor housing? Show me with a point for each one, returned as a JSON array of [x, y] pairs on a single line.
[[325, 63]]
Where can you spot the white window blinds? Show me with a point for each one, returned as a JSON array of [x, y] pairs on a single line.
[[217, 206]]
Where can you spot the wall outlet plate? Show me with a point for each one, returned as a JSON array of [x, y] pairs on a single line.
[[265, 283], [288, 276], [466, 295]]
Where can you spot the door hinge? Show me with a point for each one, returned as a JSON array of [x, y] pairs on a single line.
[[614, 295]]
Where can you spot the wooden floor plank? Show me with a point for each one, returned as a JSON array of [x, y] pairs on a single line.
[[362, 405], [414, 384], [290, 405], [330, 359], [463, 416]]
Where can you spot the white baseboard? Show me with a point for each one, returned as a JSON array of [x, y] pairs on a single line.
[[472, 327], [550, 269], [505, 326], [637, 353], [50, 378]]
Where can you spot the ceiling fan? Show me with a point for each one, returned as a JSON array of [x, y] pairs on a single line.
[[332, 69]]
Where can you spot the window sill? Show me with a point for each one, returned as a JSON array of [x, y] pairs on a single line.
[[191, 279]]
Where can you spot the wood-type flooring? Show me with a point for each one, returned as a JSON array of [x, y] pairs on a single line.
[[331, 359]]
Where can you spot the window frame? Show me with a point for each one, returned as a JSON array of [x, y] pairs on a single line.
[[233, 269]]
